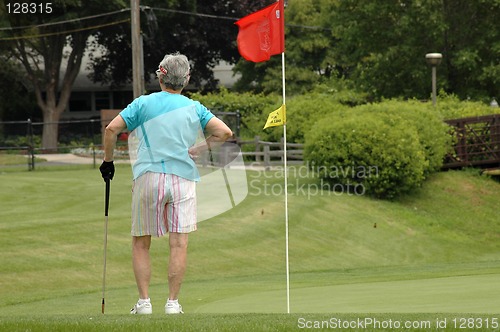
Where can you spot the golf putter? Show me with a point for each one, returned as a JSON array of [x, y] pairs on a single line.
[[106, 208]]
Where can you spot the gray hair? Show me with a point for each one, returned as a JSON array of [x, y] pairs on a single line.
[[174, 71]]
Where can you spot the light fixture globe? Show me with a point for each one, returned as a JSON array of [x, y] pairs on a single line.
[[433, 59]]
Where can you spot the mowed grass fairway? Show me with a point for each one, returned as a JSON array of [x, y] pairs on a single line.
[[430, 256]]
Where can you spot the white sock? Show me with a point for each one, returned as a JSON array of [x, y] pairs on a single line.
[[142, 301], [173, 301]]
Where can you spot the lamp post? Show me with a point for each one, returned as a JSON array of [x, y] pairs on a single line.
[[137, 56], [433, 59]]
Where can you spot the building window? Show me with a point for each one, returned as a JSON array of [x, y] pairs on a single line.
[[80, 102], [102, 100], [122, 98]]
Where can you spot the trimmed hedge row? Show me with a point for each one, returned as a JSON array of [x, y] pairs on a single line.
[[387, 148], [302, 110], [450, 107], [252, 108]]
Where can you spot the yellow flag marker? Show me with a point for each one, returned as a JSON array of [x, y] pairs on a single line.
[[276, 118]]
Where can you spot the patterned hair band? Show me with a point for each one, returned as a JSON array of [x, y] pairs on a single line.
[[163, 70]]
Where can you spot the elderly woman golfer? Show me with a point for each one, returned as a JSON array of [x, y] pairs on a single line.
[[164, 126]]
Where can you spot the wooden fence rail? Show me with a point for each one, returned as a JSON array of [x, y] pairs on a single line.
[[477, 142], [262, 153]]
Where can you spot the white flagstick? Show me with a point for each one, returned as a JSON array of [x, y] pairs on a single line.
[[286, 189]]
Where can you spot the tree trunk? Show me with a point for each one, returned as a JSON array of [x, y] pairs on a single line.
[[50, 129], [56, 100], [50, 67]]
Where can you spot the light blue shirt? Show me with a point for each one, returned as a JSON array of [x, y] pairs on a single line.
[[163, 127]]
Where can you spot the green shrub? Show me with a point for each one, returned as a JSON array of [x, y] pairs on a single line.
[[302, 110], [388, 149], [364, 150], [302, 114], [253, 108], [451, 107], [433, 133], [17, 141]]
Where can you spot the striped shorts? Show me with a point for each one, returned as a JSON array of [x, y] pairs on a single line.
[[163, 203]]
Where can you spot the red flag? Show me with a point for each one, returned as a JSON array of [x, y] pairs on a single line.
[[262, 34]]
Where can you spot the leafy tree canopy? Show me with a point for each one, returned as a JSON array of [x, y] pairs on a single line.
[[203, 30], [44, 41], [380, 46]]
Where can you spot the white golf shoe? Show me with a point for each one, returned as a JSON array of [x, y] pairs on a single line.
[[173, 308], [142, 309]]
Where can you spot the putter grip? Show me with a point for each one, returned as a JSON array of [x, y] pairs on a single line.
[[106, 201]]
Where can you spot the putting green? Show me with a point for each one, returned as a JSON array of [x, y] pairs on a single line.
[[466, 294]]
